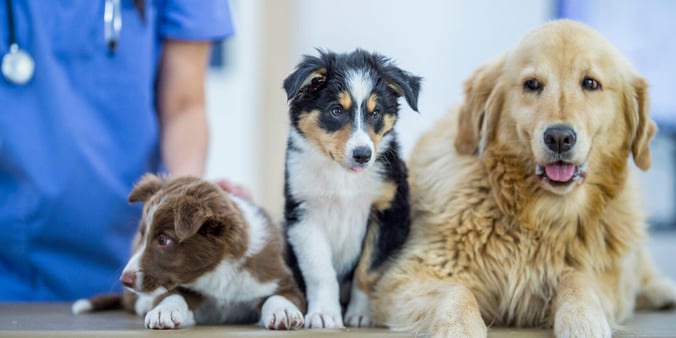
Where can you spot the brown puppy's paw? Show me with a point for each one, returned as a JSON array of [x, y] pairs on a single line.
[[278, 313], [171, 313]]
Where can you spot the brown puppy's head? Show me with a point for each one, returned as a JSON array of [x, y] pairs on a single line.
[[188, 227], [565, 103]]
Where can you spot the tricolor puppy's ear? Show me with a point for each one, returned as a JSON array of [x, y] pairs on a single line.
[[308, 77], [403, 83], [643, 127], [146, 187]]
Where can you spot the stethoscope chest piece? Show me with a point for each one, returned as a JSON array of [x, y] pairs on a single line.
[[18, 66]]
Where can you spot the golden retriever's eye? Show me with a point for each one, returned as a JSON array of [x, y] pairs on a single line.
[[532, 85], [590, 84]]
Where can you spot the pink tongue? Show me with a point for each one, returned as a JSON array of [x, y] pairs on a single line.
[[560, 172]]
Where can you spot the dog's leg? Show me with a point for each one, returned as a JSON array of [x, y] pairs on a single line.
[[408, 301], [313, 253], [284, 309], [578, 311], [358, 312], [172, 312], [656, 292], [388, 228]]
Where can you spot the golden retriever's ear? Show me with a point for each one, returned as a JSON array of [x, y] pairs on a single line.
[[146, 187], [643, 127], [472, 114]]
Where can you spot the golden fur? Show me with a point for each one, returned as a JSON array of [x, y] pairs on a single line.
[[492, 243]]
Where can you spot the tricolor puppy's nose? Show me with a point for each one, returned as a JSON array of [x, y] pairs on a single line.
[[361, 154], [560, 138], [128, 279]]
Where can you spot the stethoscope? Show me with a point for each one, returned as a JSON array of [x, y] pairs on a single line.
[[18, 66]]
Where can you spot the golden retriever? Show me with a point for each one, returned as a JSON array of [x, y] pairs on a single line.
[[525, 209]]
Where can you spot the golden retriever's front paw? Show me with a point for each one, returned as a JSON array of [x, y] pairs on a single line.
[[459, 323], [659, 294], [579, 321]]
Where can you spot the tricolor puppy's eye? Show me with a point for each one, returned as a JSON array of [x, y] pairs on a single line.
[[375, 114], [163, 240], [337, 112]]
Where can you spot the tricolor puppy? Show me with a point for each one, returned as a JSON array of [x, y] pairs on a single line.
[[347, 199], [204, 256]]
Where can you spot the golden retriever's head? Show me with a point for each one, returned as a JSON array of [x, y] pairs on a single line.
[[565, 102]]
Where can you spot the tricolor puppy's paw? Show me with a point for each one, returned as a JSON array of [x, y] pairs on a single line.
[[324, 320]]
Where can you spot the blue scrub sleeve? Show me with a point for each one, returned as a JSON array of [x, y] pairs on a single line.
[[196, 20]]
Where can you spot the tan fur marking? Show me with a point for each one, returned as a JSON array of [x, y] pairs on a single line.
[[365, 279], [331, 144], [345, 100], [371, 103], [388, 124], [385, 200]]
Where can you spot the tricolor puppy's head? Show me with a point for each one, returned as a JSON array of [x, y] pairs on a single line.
[[188, 227], [347, 104]]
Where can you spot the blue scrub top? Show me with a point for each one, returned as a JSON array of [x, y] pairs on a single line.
[[75, 139]]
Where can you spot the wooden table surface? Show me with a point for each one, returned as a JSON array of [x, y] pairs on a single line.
[[56, 320]]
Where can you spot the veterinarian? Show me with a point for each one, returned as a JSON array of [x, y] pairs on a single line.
[[92, 95]]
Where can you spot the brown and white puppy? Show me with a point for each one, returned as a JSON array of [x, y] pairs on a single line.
[[525, 211], [203, 256]]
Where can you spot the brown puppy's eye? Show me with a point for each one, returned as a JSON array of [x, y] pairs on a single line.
[[163, 240], [590, 84], [532, 85]]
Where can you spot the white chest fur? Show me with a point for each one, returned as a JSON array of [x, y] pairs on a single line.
[[333, 199]]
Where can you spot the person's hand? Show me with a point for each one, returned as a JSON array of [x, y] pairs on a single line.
[[235, 189]]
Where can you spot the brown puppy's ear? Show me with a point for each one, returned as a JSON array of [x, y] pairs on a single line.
[[472, 116], [189, 216], [643, 127], [224, 221], [146, 187]]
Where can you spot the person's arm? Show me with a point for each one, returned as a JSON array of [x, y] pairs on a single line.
[[184, 132]]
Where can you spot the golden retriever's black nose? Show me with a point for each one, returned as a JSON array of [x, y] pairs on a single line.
[[361, 154], [559, 138]]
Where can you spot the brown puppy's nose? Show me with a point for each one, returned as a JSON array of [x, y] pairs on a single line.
[[128, 279], [559, 138]]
